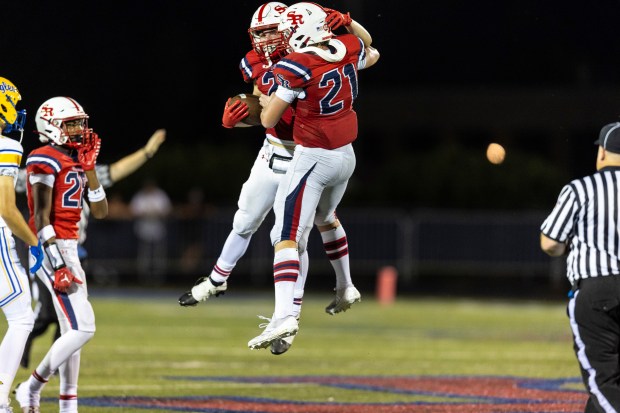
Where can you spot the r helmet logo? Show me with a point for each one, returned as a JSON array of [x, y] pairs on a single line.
[[47, 111]]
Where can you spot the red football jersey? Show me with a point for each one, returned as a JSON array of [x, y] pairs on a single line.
[[324, 115], [253, 70], [69, 185]]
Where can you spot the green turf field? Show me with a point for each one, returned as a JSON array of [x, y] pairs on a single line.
[[150, 346]]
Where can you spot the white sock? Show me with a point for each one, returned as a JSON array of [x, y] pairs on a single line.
[[285, 274], [337, 250], [68, 403], [234, 248], [298, 294], [69, 372]]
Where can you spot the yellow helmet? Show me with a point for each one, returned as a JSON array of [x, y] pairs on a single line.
[[9, 96]]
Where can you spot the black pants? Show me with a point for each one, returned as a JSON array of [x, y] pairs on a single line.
[[594, 315]]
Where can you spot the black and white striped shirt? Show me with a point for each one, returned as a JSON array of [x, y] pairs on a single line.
[[587, 214]]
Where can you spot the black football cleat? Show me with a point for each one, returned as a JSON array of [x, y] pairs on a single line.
[[187, 300]]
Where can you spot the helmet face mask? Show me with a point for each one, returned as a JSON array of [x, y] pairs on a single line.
[[62, 121], [303, 25], [12, 118], [266, 42]]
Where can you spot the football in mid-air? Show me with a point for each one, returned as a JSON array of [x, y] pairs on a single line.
[[254, 108]]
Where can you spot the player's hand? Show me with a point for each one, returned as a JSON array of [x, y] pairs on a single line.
[[152, 146], [234, 113], [63, 279], [37, 255], [264, 100], [336, 19], [88, 152]]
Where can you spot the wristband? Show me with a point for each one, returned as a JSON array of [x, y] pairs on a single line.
[[46, 233], [53, 254], [96, 195]]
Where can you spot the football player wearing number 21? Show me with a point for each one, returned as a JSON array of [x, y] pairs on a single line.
[[259, 191], [57, 175], [318, 77]]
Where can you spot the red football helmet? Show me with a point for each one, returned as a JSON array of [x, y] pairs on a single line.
[[264, 32]]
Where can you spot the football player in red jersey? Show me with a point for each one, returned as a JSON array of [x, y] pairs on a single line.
[[58, 174], [258, 192], [319, 79], [108, 175]]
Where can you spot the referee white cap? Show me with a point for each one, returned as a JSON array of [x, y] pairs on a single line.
[[609, 137]]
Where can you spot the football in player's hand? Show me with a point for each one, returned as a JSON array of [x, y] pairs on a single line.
[[254, 108]]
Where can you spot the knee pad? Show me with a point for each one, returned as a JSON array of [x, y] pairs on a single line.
[[321, 220], [245, 224], [22, 320], [303, 241]]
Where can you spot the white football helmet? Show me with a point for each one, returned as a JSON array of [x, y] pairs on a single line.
[[302, 25], [51, 121], [267, 17], [12, 118]]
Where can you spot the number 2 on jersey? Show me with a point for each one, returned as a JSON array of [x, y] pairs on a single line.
[[72, 198]]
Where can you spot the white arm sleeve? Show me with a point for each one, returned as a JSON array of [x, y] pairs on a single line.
[[289, 95], [42, 179]]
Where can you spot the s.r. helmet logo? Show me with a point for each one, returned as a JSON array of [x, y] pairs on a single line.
[[294, 18]]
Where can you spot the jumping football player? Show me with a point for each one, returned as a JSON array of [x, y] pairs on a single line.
[[319, 79], [258, 192]]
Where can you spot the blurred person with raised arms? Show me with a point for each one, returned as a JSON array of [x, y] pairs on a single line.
[[58, 174], [15, 299], [318, 77]]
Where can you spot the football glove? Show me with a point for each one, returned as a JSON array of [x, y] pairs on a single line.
[[36, 252], [63, 279], [234, 113], [336, 19], [88, 152]]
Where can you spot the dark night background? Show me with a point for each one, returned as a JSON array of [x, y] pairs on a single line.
[[540, 77]]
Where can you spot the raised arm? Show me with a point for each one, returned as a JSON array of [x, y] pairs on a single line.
[[130, 163]]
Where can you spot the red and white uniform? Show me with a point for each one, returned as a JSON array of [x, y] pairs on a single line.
[[259, 191], [68, 181], [326, 90], [321, 87], [49, 166], [253, 71]]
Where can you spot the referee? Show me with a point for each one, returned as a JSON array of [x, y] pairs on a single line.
[[586, 222]]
